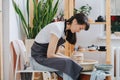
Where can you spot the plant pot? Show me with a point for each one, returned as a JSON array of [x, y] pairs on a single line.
[[28, 44]]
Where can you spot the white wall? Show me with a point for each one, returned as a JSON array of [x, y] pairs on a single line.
[[115, 10], [14, 21], [11, 31], [6, 38]]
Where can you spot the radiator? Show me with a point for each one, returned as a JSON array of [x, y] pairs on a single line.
[[115, 56]]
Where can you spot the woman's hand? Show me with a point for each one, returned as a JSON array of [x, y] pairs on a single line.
[[62, 55]]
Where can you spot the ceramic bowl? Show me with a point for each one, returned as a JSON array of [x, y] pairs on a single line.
[[104, 67], [88, 65]]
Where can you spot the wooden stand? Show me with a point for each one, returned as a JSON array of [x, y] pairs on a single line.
[[68, 12], [69, 9]]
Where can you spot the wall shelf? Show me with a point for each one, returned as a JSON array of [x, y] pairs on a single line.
[[69, 9], [68, 12], [97, 22], [113, 37], [95, 51]]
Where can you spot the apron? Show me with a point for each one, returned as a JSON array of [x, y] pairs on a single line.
[[65, 65]]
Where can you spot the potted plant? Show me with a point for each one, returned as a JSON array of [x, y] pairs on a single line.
[[84, 9], [44, 12]]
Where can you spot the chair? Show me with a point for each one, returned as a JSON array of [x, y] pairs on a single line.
[[22, 60]]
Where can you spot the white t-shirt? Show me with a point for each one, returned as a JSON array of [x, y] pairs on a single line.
[[56, 28]]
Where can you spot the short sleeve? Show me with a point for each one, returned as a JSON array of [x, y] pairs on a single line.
[[56, 31]]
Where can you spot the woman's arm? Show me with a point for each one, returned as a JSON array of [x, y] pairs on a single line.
[[52, 48]]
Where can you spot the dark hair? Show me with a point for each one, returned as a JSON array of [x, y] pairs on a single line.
[[81, 19]]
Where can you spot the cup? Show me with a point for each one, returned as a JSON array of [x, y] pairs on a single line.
[[102, 48]]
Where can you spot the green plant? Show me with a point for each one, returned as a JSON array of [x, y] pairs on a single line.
[[44, 12], [84, 9]]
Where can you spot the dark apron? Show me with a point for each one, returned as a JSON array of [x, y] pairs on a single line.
[[65, 65]]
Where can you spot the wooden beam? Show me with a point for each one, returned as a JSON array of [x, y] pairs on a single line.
[[66, 9], [66, 16], [31, 9], [108, 32], [1, 46], [31, 12], [71, 13], [68, 12], [71, 8]]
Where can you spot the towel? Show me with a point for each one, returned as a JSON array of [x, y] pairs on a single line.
[[98, 75]]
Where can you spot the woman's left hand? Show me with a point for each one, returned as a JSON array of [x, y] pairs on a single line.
[[62, 55]]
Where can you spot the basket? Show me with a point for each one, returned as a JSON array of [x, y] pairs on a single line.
[[88, 65]]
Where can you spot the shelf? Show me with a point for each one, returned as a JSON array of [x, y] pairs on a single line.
[[113, 37], [97, 22], [69, 9], [95, 51]]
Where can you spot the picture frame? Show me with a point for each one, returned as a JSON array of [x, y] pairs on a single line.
[[115, 23]]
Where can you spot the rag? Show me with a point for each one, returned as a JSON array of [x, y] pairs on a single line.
[[98, 75]]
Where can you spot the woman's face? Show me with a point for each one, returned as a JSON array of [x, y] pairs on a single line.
[[75, 27]]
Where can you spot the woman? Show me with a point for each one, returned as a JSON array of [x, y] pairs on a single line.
[[44, 49]]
